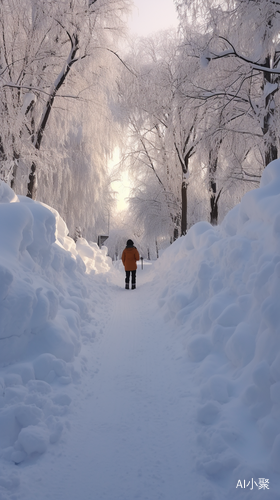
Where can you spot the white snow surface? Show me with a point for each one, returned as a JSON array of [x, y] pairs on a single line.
[[168, 392]]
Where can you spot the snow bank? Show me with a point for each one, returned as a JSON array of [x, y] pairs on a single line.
[[221, 287], [48, 294]]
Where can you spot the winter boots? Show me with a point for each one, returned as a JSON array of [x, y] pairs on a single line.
[[133, 286]]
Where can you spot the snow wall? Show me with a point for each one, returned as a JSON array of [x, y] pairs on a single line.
[[47, 307], [223, 293]]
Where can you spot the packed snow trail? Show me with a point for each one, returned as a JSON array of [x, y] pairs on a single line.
[[168, 392], [128, 436]]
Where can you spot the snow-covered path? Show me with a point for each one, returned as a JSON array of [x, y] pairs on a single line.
[[176, 391], [128, 437]]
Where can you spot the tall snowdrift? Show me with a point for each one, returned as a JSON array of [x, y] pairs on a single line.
[[47, 306], [222, 291]]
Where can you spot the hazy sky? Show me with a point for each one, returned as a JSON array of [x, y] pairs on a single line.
[[153, 15]]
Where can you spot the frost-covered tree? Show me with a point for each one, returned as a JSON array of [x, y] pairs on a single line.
[[40, 42], [230, 142], [78, 172], [239, 42], [57, 78], [146, 100], [185, 131]]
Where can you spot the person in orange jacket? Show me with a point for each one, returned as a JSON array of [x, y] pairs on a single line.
[[129, 257]]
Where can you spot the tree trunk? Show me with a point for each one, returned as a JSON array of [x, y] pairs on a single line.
[[214, 197], [3, 158], [14, 170], [157, 253], [271, 152], [184, 159], [32, 184], [184, 207]]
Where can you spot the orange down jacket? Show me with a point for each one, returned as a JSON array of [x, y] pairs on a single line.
[[129, 257]]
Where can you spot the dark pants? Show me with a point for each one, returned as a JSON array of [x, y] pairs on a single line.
[[133, 277]]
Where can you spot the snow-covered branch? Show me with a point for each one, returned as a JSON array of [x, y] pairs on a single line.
[[37, 90], [233, 52]]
